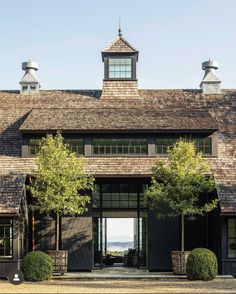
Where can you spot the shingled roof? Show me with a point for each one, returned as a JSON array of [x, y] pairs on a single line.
[[120, 45], [11, 192], [118, 119], [153, 109]]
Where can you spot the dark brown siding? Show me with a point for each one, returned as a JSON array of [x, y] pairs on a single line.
[[163, 238], [76, 236]]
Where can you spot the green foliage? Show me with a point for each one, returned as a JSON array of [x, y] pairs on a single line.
[[37, 266], [177, 186], [59, 179], [201, 265]]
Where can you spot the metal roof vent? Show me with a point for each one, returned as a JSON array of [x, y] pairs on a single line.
[[210, 84], [29, 83]]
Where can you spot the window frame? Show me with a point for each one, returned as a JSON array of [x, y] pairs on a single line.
[[65, 138], [230, 238], [11, 238], [125, 59], [119, 146], [189, 137], [132, 56]]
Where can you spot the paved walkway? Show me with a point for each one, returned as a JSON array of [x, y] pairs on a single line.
[[120, 273]]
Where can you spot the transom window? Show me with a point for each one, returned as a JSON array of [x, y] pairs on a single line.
[[6, 237], [202, 144], [122, 195], [107, 146], [120, 68], [231, 238]]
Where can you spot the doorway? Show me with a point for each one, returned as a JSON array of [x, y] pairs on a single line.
[[116, 202], [120, 241]]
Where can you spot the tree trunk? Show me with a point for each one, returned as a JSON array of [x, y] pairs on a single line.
[[182, 232], [57, 232]]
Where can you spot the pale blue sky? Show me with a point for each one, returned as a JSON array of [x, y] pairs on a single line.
[[66, 38], [120, 227]]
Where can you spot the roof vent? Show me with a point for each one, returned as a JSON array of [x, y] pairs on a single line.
[[210, 84], [29, 83]]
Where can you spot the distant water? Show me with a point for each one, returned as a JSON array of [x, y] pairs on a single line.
[[119, 246]]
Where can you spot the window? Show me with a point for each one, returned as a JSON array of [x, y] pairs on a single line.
[[124, 195], [6, 237], [75, 145], [231, 242], [110, 146], [120, 68], [202, 144], [34, 146]]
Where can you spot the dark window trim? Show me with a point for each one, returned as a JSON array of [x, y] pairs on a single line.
[[133, 58], [12, 239], [227, 238]]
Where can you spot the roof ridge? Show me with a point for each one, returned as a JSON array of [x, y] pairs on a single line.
[[117, 39]]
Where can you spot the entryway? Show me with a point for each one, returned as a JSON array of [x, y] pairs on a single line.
[[120, 241], [119, 212]]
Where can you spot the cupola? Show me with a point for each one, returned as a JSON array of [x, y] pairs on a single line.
[[210, 84], [29, 83], [120, 59]]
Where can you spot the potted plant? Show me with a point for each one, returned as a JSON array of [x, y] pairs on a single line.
[[176, 188], [59, 184]]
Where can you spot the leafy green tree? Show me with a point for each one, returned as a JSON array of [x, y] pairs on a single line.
[[59, 182], [178, 187]]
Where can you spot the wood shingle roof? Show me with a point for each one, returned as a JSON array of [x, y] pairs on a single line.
[[153, 109], [11, 192]]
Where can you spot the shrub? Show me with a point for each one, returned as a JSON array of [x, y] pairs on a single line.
[[37, 266], [201, 265]]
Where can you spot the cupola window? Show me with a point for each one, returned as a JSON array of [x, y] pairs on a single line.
[[120, 68]]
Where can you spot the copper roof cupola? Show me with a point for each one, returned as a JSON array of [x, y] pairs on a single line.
[[120, 59]]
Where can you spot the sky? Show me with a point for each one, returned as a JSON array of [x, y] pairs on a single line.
[[66, 38], [120, 229]]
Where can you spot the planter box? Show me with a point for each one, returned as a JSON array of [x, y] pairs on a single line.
[[59, 260], [179, 260]]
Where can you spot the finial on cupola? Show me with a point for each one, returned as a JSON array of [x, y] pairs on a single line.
[[119, 30]]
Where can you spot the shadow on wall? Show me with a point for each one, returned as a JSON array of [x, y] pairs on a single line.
[[76, 237], [11, 138]]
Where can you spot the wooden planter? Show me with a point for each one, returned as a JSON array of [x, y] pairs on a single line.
[[59, 260], [179, 260]]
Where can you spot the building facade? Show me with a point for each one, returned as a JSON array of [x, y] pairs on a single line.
[[120, 130]]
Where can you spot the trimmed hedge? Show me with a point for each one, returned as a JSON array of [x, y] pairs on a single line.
[[201, 265], [37, 266]]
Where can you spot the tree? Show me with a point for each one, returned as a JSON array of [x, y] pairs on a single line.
[[178, 187], [59, 182]]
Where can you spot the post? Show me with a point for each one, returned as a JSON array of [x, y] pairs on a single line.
[[57, 231], [33, 227], [138, 216], [101, 245], [182, 232]]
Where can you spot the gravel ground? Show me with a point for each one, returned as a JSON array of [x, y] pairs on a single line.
[[126, 286]]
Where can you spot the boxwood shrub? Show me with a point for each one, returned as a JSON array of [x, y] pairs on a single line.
[[37, 266], [201, 265]]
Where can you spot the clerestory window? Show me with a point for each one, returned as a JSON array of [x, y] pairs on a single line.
[[203, 145], [76, 145], [117, 146]]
